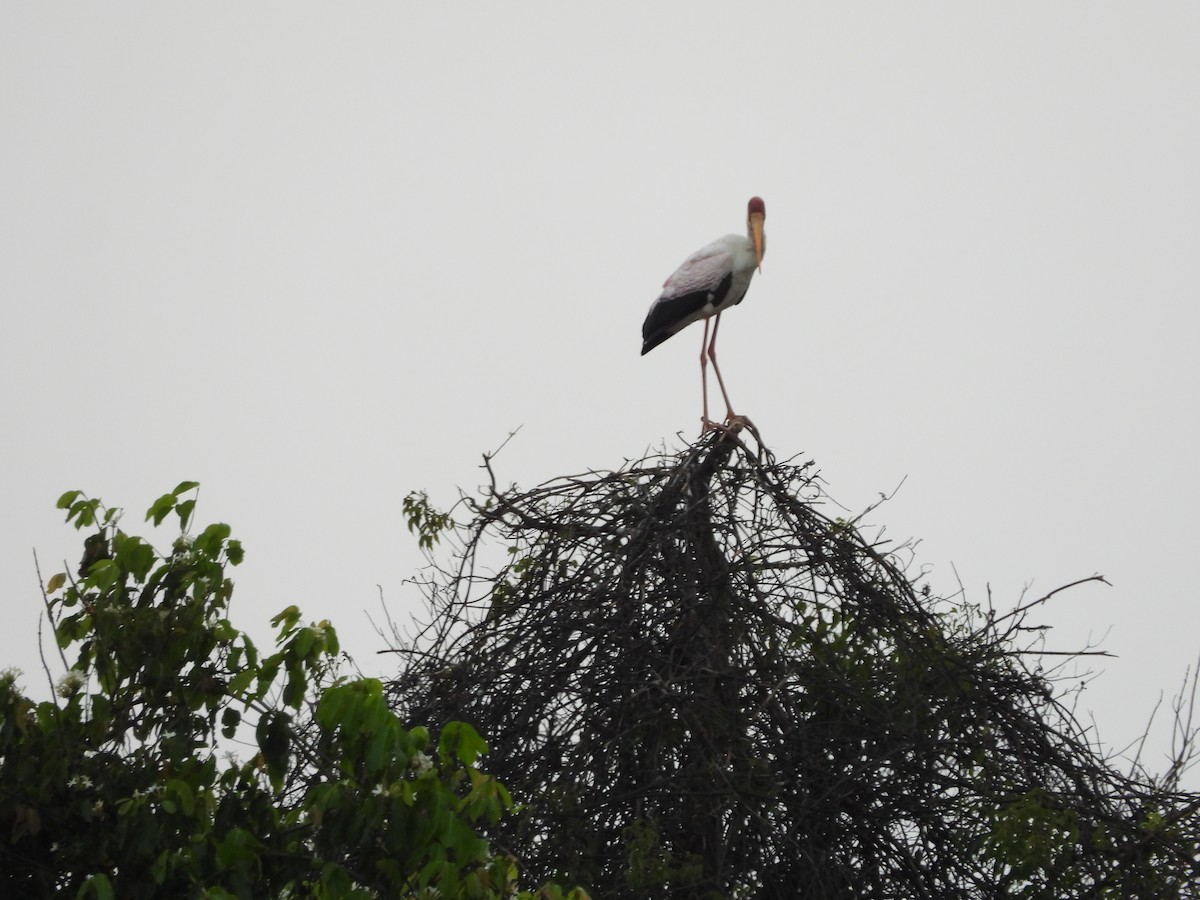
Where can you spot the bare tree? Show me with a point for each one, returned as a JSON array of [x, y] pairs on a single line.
[[701, 685]]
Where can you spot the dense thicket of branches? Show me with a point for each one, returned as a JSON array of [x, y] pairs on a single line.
[[703, 686]]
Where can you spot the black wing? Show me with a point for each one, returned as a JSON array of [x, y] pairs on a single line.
[[675, 313]]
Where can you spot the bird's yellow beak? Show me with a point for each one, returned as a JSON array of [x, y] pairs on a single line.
[[756, 228]]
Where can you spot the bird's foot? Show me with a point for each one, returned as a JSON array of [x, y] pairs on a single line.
[[734, 422], [732, 425]]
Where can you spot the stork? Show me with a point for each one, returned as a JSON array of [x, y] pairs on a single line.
[[710, 281]]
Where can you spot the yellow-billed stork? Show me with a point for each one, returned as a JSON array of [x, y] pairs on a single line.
[[710, 281]]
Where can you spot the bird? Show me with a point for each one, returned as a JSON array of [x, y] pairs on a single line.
[[708, 282]]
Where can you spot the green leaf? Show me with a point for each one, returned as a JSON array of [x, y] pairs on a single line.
[[134, 555], [274, 740], [83, 512], [56, 582], [72, 628], [231, 718], [158, 871], [302, 643], [458, 739], [182, 792], [65, 501], [267, 672], [224, 632], [235, 553], [334, 881], [185, 486], [102, 574], [331, 639], [239, 682], [286, 620], [295, 686], [238, 849], [208, 542], [184, 510], [377, 752], [420, 737], [331, 711], [160, 509]]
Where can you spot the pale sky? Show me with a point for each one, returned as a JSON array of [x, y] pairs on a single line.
[[317, 256]]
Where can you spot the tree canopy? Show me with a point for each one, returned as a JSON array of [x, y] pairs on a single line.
[[131, 782], [693, 682]]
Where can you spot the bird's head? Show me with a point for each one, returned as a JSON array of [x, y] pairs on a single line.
[[756, 214]]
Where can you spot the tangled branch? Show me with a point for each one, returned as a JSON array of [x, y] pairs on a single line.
[[702, 685]]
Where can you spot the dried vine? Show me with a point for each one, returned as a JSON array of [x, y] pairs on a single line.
[[701, 685]]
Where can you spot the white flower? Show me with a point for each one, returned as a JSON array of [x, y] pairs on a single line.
[[420, 764], [378, 790], [79, 782], [70, 683], [182, 551], [98, 807]]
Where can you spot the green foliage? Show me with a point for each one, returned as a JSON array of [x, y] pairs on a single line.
[[1031, 835], [425, 521], [651, 865], [118, 787]]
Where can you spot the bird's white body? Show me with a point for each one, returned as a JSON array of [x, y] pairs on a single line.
[[711, 280]]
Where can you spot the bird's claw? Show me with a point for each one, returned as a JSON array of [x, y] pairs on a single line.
[[732, 425]]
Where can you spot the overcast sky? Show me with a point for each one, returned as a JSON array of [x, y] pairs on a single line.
[[317, 256]]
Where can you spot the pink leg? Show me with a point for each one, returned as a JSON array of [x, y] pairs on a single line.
[[712, 354], [705, 422]]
